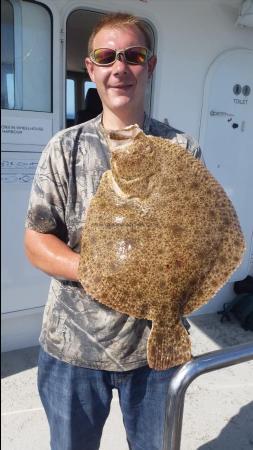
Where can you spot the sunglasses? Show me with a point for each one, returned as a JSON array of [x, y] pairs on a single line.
[[132, 55]]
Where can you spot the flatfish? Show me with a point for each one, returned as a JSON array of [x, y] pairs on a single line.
[[160, 239]]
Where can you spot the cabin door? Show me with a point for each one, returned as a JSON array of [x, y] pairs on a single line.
[[226, 136]]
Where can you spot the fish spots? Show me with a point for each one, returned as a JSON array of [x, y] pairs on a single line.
[[194, 185], [201, 254], [139, 294], [192, 283], [168, 187], [177, 230], [104, 295], [226, 221], [162, 284], [195, 206], [112, 266], [102, 204], [97, 279], [142, 309], [143, 270], [222, 259], [159, 339], [178, 263], [211, 214]]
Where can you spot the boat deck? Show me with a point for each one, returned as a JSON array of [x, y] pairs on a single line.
[[218, 412]]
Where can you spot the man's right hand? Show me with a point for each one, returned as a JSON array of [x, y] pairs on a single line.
[[49, 254]]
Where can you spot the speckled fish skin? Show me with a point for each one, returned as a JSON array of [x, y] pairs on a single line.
[[161, 237]]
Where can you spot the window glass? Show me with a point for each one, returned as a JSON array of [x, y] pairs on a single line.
[[36, 57], [87, 86], [70, 99], [7, 55], [26, 56]]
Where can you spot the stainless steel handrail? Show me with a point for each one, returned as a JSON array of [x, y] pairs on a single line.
[[208, 362]]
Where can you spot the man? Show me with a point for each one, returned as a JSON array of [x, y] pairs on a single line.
[[87, 348]]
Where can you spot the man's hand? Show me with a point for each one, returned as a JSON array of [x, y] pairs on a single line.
[[49, 254]]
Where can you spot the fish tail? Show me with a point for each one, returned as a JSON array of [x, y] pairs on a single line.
[[163, 352]]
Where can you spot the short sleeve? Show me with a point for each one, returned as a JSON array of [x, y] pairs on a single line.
[[49, 193]]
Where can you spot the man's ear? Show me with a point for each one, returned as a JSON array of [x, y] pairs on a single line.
[[90, 68], [151, 65]]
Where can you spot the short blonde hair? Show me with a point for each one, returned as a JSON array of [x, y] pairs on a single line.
[[120, 20]]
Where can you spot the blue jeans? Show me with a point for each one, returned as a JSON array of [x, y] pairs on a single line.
[[77, 403]]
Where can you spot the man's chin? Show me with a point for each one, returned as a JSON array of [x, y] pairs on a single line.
[[122, 101]]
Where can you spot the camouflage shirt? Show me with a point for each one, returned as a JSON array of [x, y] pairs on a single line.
[[76, 328]]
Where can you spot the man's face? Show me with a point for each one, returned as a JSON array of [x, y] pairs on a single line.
[[121, 86]]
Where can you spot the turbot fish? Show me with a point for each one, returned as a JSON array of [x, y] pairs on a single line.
[[160, 239]]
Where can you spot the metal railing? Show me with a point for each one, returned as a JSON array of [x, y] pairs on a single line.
[[183, 378]]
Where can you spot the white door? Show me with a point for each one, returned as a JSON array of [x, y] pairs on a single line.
[[226, 136]]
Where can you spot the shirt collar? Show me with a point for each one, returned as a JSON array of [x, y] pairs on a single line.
[[146, 123]]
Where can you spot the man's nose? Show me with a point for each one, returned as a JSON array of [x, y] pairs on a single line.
[[120, 65]]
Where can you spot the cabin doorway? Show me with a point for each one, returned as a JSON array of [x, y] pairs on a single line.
[[82, 100], [226, 136]]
